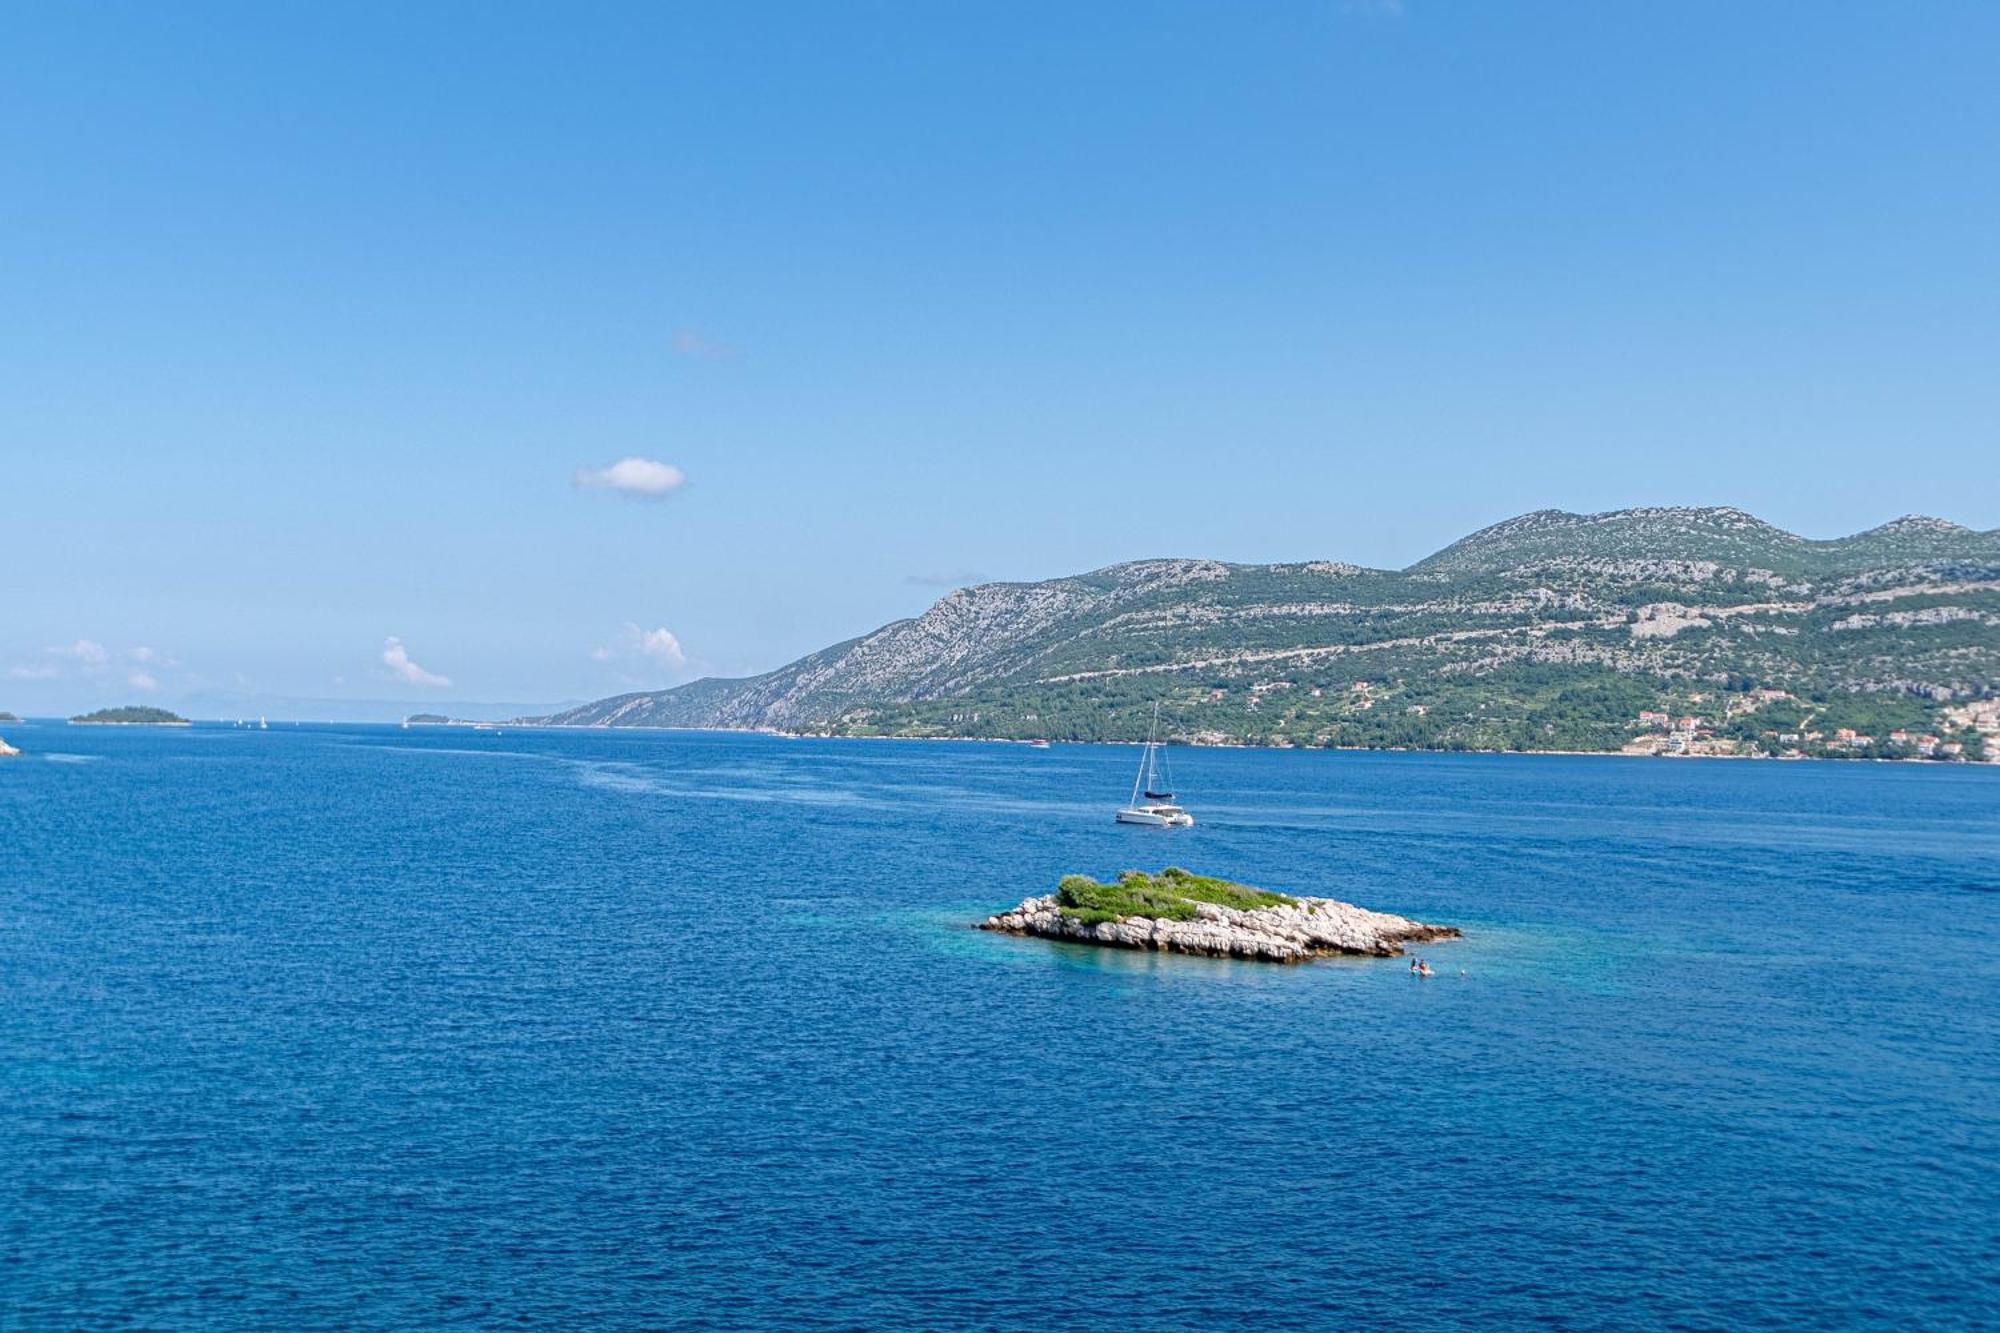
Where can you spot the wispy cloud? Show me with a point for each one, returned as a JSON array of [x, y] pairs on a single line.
[[397, 659], [86, 659], [89, 652], [963, 578], [692, 342], [644, 477]]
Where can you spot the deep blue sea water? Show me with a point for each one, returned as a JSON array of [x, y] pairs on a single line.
[[359, 1027]]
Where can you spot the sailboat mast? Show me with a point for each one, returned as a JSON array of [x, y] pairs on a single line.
[[1143, 779]]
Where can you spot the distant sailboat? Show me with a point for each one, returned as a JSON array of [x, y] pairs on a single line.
[[1153, 799]]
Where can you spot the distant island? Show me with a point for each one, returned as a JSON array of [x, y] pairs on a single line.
[[7, 717], [427, 720], [1669, 631], [131, 715], [1177, 911]]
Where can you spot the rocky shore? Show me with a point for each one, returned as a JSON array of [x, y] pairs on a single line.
[[6, 749], [1289, 932]]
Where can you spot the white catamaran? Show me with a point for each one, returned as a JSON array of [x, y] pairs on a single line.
[[1152, 800]]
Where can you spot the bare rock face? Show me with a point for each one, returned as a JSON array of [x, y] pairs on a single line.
[[1307, 928]]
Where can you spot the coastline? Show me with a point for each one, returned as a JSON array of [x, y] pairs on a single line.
[[1223, 921], [80, 722], [1252, 745]]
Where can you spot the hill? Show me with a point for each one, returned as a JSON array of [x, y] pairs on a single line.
[[131, 715], [1548, 631]]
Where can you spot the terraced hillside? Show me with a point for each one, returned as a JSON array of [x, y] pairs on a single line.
[[1548, 631]]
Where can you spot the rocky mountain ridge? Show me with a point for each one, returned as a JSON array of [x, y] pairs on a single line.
[[1550, 630]]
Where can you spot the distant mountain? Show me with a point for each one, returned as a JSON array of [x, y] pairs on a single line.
[[1548, 631]]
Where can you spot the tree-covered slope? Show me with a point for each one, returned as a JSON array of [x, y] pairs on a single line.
[[1552, 630]]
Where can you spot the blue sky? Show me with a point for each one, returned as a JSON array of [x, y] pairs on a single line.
[[316, 320]]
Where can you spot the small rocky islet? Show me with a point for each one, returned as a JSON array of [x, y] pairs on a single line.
[[1177, 911]]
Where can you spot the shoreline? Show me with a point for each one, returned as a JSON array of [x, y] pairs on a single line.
[[1293, 930], [1251, 745], [79, 722]]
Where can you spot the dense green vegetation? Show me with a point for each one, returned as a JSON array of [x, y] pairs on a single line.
[[1548, 632], [1171, 894], [426, 720], [132, 715], [1517, 706]]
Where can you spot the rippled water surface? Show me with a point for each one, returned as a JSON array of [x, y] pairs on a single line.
[[362, 1027]]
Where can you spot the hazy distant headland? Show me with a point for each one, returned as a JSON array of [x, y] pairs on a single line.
[[131, 715], [1670, 630]]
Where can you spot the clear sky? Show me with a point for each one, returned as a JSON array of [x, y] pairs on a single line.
[[320, 322]]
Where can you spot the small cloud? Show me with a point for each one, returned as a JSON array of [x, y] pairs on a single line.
[[87, 651], [397, 659], [690, 342], [143, 654], [657, 647], [963, 578], [32, 673], [141, 680], [634, 476], [660, 645]]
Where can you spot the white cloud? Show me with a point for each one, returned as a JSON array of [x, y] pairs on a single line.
[[397, 659], [654, 647], [87, 659], [87, 651], [661, 646], [633, 476]]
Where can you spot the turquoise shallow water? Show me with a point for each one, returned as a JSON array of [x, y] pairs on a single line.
[[348, 1026]]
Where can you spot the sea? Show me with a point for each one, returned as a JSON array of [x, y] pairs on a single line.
[[363, 1027]]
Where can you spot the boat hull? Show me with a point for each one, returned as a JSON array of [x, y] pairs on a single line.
[[1161, 817]]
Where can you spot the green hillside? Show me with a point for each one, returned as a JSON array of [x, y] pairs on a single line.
[[1551, 631]]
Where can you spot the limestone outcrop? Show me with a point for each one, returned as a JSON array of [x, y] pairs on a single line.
[[1289, 933]]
